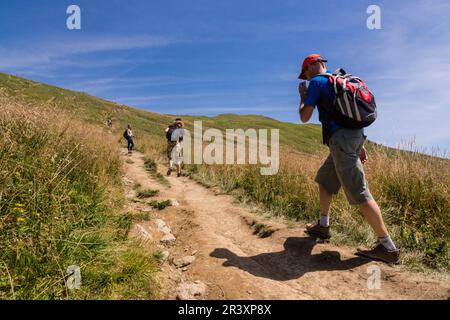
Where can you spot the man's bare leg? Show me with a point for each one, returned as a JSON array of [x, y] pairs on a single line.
[[372, 213], [386, 250], [325, 201], [325, 204]]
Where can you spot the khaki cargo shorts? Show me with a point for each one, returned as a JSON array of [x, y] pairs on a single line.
[[344, 168]]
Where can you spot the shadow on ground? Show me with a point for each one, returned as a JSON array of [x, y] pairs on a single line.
[[292, 263]]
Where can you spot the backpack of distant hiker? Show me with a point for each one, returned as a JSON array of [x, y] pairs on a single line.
[[169, 132], [125, 134], [354, 105]]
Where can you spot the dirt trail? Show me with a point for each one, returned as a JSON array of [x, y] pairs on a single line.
[[231, 262]]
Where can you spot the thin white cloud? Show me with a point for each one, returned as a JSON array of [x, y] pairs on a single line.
[[47, 54], [110, 85]]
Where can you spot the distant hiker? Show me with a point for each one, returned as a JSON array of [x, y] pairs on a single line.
[[109, 123], [128, 135], [345, 107], [174, 136]]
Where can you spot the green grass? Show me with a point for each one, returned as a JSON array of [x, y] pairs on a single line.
[[60, 205], [147, 193], [160, 205], [151, 167], [159, 256]]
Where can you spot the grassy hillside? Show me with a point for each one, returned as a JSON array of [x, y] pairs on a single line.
[[412, 189], [61, 201], [83, 106], [305, 138]]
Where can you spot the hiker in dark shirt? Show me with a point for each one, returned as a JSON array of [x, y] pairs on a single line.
[[344, 165], [128, 135]]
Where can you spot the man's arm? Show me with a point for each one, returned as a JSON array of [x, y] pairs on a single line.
[[304, 111]]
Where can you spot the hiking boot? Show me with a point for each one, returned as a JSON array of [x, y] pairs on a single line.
[[179, 174], [317, 230], [169, 172], [380, 253]]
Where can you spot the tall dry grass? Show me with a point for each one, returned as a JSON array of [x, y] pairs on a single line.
[[61, 203], [411, 188]]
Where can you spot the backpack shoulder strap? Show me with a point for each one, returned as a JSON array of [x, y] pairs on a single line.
[[323, 74]]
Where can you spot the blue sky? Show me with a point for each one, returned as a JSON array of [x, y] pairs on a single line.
[[211, 57]]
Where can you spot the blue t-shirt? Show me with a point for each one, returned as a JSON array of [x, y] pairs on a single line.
[[320, 86]]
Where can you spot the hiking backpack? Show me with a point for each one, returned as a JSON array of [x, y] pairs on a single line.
[[354, 105], [125, 134], [169, 132]]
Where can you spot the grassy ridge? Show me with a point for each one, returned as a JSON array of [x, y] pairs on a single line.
[[149, 125], [60, 205], [83, 106], [305, 138]]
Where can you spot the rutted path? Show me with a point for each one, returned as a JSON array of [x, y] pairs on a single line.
[[211, 251]]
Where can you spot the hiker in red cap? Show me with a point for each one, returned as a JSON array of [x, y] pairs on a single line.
[[339, 97], [311, 60]]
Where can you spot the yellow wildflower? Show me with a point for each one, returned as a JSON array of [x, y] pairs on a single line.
[[20, 219]]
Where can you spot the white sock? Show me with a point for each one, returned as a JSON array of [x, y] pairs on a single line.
[[324, 221], [387, 243], [170, 164]]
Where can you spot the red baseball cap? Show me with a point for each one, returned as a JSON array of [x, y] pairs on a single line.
[[312, 58]]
